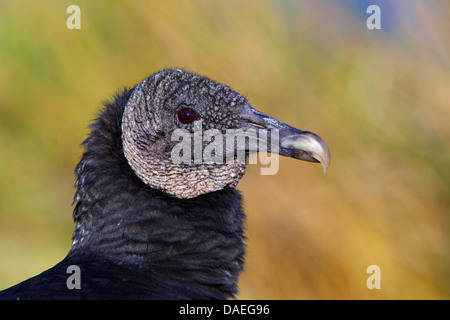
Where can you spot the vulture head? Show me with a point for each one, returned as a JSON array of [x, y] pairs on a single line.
[[175, 115]]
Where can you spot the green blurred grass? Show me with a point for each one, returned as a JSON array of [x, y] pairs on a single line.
[[380, 100]]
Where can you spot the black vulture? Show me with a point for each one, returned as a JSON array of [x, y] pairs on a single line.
[[150, 227]]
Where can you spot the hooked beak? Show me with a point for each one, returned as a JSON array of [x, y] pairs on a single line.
[[307, 146], [293, 142]]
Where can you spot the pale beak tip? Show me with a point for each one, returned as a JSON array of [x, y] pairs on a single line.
[[325, 159], [307, 146]]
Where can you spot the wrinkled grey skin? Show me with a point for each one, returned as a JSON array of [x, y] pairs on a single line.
[[150, 118]]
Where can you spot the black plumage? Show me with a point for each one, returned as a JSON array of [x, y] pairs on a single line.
[[136, 241]]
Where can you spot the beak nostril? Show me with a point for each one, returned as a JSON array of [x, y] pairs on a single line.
[[256, 124]]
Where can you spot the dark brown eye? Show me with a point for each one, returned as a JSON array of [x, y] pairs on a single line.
[[187, 115]]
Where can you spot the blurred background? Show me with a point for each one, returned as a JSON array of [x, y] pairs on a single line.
[[379, 98]]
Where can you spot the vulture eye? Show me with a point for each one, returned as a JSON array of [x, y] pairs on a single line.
[[187, 116]]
